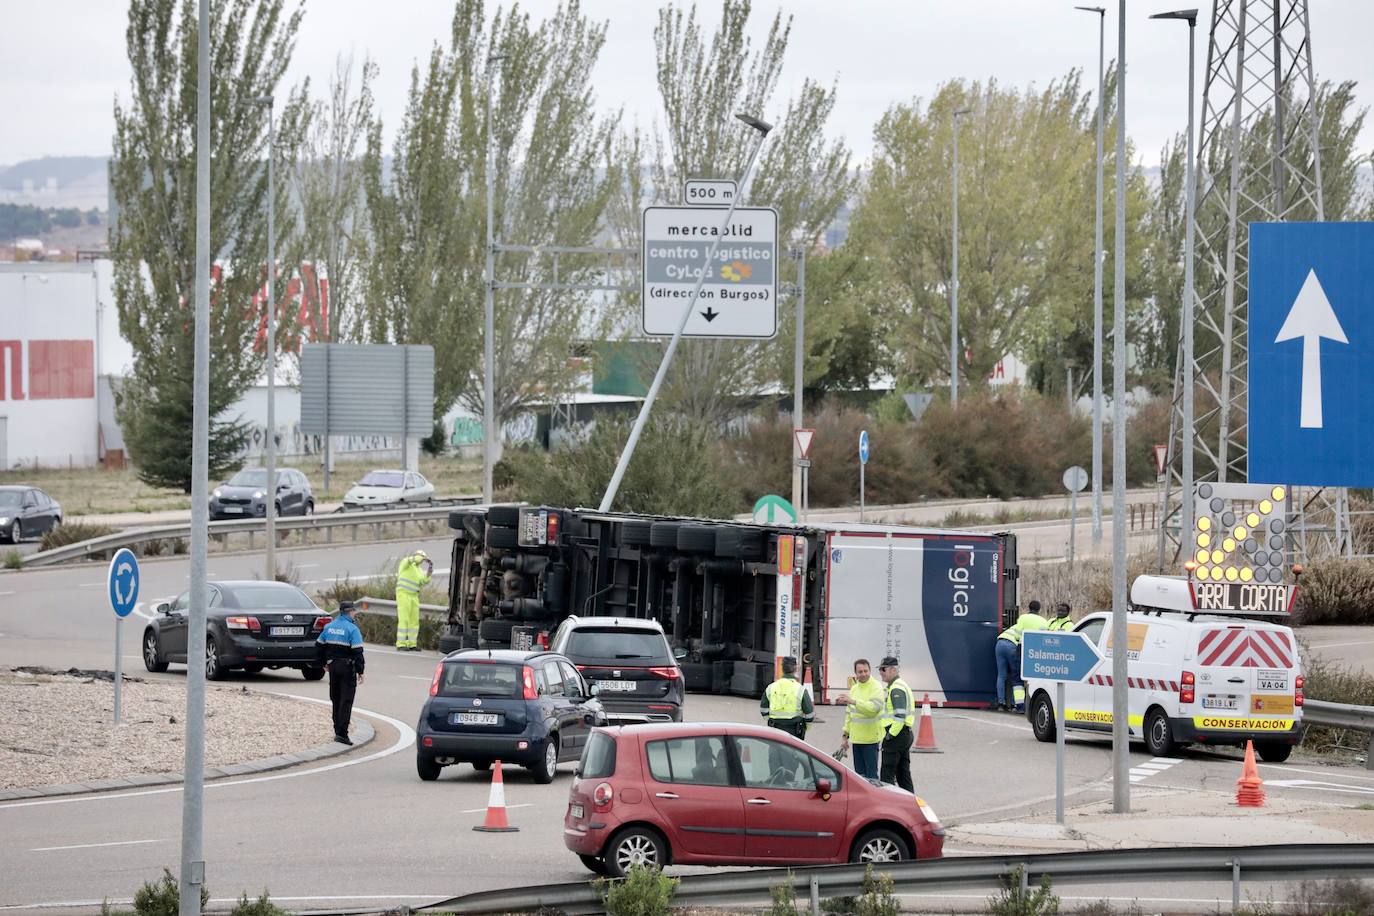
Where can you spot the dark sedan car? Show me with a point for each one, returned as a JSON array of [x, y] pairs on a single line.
[[250, 625], [27, 512], [530, 708], [245, 495]]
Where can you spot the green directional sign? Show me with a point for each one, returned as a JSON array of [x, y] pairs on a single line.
[[772, 509]]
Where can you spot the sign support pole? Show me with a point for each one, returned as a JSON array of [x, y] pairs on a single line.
[[862, 466], [119, 665], [1059, 752], [1073, 523]]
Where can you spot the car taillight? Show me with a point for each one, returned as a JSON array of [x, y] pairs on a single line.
[[527, 675], [551, 528], [1297, 690], [603, 794], [321, 623], [1187, 688], [242, 623], [670, 673], [434, 683]]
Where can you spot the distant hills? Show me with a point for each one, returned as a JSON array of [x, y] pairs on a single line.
[[57, 181]]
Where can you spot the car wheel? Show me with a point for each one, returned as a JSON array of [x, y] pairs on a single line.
[[253, 668], [481, 766], [427, 769], [15, 533], [310, 507], [56, 523], [1273, 751], [547, 769], [594, 865], [312, 673], [214, 671], [879, 846], [1159, 735], [1043, 718], [635, 846], [152, 657]]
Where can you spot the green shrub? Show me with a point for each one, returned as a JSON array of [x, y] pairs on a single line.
[[14, 560], [73, 532], [1336, 591], [784, 898], [1337, 897], [643, 892], [259, 907], [1013, 901], [381, 629], [1323, 680], [841, 906], [163, 897], [1105, 908], [878, 898]]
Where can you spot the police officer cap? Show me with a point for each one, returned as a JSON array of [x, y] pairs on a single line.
[[345, 607], [889, 661], [789, 664]]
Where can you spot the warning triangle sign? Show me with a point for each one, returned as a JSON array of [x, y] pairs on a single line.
[[804, 437]]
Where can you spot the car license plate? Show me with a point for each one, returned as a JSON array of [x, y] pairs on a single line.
[[288, 631], [577, 811], [1271, 680], [1227, 702], [620, 686], [473, 718], [233, 510]]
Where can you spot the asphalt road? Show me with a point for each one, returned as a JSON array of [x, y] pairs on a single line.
[[363, 830]]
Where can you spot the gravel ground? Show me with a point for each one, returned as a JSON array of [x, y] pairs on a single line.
[[58, 728]]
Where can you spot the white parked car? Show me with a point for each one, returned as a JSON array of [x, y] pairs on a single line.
[[385, 488]]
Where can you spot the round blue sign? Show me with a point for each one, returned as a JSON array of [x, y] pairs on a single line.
[[863, 446], [123, 582]]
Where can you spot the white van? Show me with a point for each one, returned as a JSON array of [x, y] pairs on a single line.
[[1193, 679]]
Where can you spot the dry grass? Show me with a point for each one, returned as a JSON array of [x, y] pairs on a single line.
[[1086, 586]]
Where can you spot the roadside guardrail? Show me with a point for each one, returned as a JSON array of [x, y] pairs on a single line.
[[1343, 715], [253, 530], [1288, 862]]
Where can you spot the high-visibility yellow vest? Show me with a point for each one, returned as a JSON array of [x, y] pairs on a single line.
[[892, 722], [1060, 623], [785, 698], [863, 721], [410, 577], [1023, 623]]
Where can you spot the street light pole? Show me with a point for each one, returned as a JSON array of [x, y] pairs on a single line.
[[1097, 276], [1121, 787], [799, 358], [489, 311], [954, 281], [1186, 440], [270, 504]]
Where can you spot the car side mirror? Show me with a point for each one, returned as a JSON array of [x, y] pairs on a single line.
[[594, 690], [824, 788], [679, 653], [164, 608]]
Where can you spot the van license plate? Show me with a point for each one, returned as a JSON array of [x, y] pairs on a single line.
[[620, 686], [577, 812], [1227, 702], [288, 631], [1271, 680], [473, 718]]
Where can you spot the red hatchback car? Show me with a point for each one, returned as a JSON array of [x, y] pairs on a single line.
[[729, 794]]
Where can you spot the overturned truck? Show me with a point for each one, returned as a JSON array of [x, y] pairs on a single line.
[[735, 597]]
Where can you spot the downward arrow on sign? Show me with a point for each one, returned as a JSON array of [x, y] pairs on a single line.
[[1311, 318], [710, 314]]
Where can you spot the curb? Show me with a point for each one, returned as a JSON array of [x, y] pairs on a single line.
[[363, 730]]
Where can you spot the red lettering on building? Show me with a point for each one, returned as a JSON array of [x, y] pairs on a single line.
[[61, 369], [14, 350]]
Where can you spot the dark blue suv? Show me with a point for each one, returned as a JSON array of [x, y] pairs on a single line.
[[529, 708]]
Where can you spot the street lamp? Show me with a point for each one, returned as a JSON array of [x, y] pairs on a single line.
[[1186, 438], [1097, 277], [1121, 787], [270, 492], [954, 283], [489, 311]]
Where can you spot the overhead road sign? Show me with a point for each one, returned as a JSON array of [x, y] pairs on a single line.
[[1058, 655], [1311, 343], [709, 192], [739, 298]]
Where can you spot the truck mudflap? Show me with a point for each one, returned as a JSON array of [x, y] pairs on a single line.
[[1236, 730]]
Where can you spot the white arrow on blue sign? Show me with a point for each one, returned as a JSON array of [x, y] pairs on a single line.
[[863, 446], [123, 582], [1057, 655]]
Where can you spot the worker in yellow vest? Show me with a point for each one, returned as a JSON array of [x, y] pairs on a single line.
[[411, 576], [786, 704], [899, 718], [1062, 620], [1009, 657], [863, 720]]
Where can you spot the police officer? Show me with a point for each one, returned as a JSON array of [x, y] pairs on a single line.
[[786, 704], [1009, 656], [411, 576], [1062, 620], [340, 648], [863, 720], [899, 716]]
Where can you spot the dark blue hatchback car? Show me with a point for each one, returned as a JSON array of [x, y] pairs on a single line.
[[529, 708]]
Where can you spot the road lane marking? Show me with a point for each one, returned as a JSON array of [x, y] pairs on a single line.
[[3, 594], [405, 738], [95, 845], [91, 585], [1283, 767], [411, 677], [1317, 786], [982, 721], [508, 807], [1329, 645]]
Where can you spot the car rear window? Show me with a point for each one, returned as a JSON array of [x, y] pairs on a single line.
[[598, 758], [618, 645], [269, 598], [480, 679]]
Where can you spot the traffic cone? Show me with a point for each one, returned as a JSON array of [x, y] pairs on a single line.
[[925, 734], [496, 806], [1249, 793]]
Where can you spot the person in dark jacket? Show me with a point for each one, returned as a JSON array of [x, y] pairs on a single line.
[[340, 649]]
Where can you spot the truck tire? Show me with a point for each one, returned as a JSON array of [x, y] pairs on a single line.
[[696, 676], [664, 534], [494, 633], [696, 539], [748, 679], [456, 519], [635, 534], [739, 543], [502, 538], [451, 642], [504, 516]]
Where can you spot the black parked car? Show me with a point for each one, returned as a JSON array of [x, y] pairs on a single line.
[[530, 708], [629, 661], [245, 494], [27, 512], [250, 625]]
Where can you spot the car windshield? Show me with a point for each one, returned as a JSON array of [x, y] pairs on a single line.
[[265, 597], [618, 644], [248, 479], [480, 679], [11, 497], [381, 479]]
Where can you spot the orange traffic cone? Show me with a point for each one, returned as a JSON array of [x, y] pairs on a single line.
[[496, 806], [1248, 791], [925, 734]]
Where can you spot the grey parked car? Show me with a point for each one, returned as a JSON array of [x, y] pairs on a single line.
[[27, 512], [245, 495]]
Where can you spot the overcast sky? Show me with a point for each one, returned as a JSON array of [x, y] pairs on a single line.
[[63, 61]]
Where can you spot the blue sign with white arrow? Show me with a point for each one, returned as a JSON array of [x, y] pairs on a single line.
[[123, 582], [863, 447], [1311, 346], [1057, 655]]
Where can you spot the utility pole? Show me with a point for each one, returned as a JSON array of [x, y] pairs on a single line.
[[1097, 276], [954, 282], [799, 361], [270, 503], [1121, 786], [489, 311]]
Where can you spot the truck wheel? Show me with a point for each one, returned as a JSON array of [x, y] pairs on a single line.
[[457, 519], [635, 534], [1042, 718], [696, 539], [696, 676], [664, 534], [502, 538], [495, 630], [504, 516], [450, 642], [1159, 735], [739, 543], [1273, 751]]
